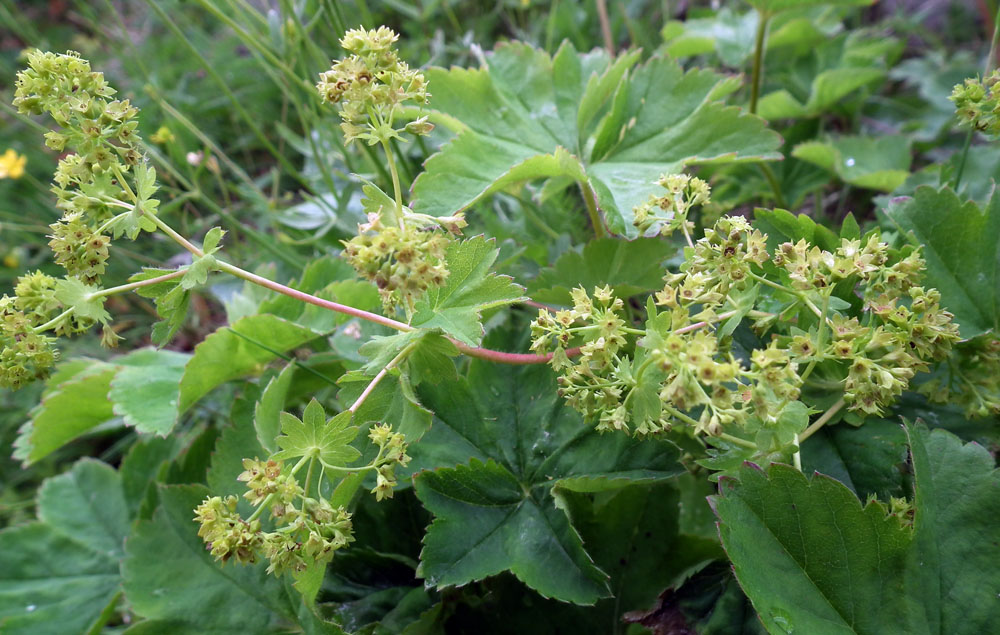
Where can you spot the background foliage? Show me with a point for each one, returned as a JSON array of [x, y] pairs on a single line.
[[511, 505]]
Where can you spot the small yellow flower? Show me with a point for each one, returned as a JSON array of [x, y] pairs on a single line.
[[163, 136], [12, 165]]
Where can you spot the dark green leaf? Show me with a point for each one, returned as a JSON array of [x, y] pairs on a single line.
[[59, 574], [522, 441], [169, 575], [859, 570], [961, 244], [630, 267]]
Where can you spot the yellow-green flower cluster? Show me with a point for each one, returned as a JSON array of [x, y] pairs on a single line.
[[403, 260], [669, 212], [370, 85], [101, 134], [977, 103], [391, 453], [306, 530], [25, 355], [683, 371]]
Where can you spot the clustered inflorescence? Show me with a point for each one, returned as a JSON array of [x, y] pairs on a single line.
[[977, 102], [855, 319], [370, 85], [669, 212], [306, 529], [403, 253], [101, 134]]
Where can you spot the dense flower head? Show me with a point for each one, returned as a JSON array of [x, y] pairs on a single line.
[[669, 212], [680, 370], [369, 86], [306, 529], [977, 103], [403, 260]]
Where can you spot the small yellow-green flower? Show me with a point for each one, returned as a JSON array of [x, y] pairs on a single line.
[[163, 136], [12, 165]]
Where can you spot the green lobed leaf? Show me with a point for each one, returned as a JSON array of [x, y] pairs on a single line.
[[634, 535], [392, 401], [528, 116], [171, 301], [828, 88], [58, 574], [839, 562], [485, 523], [224, 356], [146, 388], [70, 409], [471, 288], [142, 387], [87, 503], [852, 569], [961, 244], [952, 575], [870, 459], [511, 440], [881, 163], [629, 266], [78, 296], [329, 440], [169, 575], [731, 35]]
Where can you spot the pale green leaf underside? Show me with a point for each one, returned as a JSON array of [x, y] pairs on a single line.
[[529, 116], [141, 388], [874, 163]]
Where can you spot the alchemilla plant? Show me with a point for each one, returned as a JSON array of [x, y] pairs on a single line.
[[560, 353]]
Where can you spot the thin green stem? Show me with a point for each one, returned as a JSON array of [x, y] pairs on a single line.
[[780, 287], [472, 351], [138, 285], [590, 200], [680, 415], [743, 443], [758, 60], [397, 190], [180, 240], [381, 374], [772, 180], [822, 421], [255, 43], [266, 503], [309, 475], [962, 158], [221, 83], [54, 321], [820, 335]]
